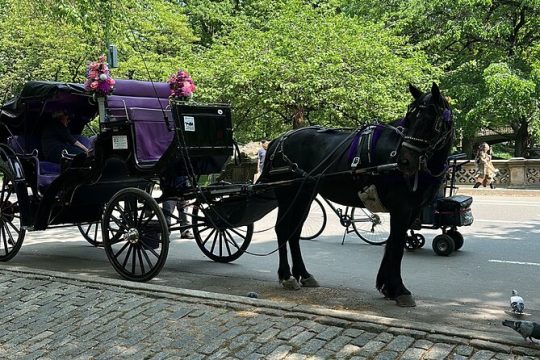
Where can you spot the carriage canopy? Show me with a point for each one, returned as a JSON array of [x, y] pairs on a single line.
[[38, 100]]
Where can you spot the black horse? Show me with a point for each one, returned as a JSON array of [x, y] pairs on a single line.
[[399, 167]]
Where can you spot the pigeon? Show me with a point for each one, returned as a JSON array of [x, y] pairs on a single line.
[[252, 295], [528, 329], [516, 302]]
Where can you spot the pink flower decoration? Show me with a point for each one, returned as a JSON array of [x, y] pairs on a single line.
[[95, 81], [181, 84]]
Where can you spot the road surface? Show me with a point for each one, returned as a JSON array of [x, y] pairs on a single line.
[[471, 288]]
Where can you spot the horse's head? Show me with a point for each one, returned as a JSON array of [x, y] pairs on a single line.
[[427, 127]]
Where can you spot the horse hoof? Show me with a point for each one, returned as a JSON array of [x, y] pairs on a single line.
[[405, 301], [290, 284], [309, 282]]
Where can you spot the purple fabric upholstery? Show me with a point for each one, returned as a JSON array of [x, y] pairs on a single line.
[[152, 137], [121, 102], [142, 89], [46, 171]]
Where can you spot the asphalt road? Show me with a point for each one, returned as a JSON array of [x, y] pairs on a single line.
[[470, 288]]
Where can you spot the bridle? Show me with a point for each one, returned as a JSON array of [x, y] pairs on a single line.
[[425, 148]]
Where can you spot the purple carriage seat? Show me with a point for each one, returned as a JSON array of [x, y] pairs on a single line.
[[137, 94], [152, 137], [29, 146]]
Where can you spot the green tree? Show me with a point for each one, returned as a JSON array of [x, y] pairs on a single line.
[[53, 40], [488, 50], [298, 64]]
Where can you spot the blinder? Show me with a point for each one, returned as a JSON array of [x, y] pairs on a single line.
[[425, 147]]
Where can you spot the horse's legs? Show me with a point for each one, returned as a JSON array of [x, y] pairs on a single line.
[[389, 280], [293, 211]]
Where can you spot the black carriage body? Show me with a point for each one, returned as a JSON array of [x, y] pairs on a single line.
[[139, 141], [166, 138], [447, 210]]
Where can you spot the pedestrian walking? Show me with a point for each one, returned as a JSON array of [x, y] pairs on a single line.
[[485, 171], [261, 154]]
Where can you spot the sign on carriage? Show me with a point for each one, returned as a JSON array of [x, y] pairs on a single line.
[[189, 123], [120, 142]]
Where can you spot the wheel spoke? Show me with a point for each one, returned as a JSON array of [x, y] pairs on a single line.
[[233, 242], [122, 213], [140, 259], [134, 260], [208, 237], [214, 243], [118, 222], [226, 242], [220, 244], [243, 236], [127, 255], [149, 248], [4, 239], [121, 250], [147, 258], [9, 232]]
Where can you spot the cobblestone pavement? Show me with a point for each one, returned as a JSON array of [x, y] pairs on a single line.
[[72, 317]]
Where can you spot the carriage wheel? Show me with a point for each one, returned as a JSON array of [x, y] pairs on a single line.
[[315, 221], [11, 232], [420, 239], [458, 238], [443, 245], [92, 233], [373, 228], [411, 243], [218, 240], [135, 235]]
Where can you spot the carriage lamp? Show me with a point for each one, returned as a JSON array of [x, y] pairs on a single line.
[[113, 56]]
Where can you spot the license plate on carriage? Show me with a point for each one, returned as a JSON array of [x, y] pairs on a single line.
[[119, 142]]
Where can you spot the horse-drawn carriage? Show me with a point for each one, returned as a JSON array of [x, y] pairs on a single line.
[[144, 140]]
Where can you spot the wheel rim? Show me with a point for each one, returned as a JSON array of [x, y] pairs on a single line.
[[92, 233], [11, 231], [442, 246], [373, 228], [135, 235], [215, 239], [315, 221]]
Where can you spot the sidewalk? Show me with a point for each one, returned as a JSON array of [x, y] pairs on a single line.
[[498, 191], [54, 315]]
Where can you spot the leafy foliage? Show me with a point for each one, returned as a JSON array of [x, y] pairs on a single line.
[[289, 63]]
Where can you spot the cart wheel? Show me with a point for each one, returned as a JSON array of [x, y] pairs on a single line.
[[420, 239], [443, 245], [315, 221], [11, 232], [373, 228], [218, 241], [92, 233], [135, 235], [411, 243], [458, 238]]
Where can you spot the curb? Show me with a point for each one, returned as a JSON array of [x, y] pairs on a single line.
[[497, 192], [433, 332]]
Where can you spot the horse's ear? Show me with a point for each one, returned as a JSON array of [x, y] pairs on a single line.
[[436, 93], [415, 92]]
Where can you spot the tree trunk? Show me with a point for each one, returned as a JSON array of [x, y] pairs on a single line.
[[522, 139], [467, 146]]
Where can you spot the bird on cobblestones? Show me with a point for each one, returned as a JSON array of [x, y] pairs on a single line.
[[252, 295], [516, 302], [528, 329]]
